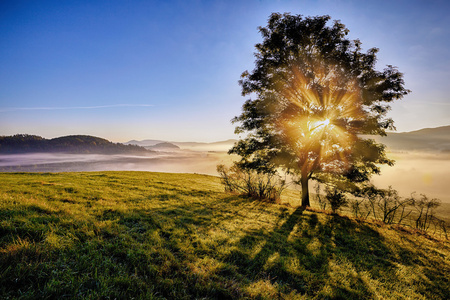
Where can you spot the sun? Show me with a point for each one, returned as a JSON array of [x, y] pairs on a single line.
[[325, 108], [321, 124]]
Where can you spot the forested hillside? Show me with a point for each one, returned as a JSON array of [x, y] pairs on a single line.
[[24, 143]]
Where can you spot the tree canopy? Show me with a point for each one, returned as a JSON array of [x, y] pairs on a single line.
[[315, 92]]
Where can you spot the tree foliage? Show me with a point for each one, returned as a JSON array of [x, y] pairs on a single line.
[[315, 92]]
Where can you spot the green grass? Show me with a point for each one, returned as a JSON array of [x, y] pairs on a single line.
[[147, 235]]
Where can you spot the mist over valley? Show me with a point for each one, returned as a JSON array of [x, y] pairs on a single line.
[[152, 155], [422, 160]]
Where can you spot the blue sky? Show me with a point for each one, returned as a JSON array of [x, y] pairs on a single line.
[[168, 70]]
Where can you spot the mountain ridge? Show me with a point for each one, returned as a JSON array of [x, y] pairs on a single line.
[[427, 139], [440, 129]]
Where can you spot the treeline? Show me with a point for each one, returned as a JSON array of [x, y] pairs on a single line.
[[85, 144]]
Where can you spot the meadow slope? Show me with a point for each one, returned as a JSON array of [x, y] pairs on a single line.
[[142, 235]]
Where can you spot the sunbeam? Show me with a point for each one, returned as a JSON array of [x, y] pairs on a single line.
[[320, 112]]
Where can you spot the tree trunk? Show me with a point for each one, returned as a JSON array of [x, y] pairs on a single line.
[[305, 189]]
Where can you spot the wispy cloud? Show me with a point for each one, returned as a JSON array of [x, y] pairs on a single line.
[[10, 109]]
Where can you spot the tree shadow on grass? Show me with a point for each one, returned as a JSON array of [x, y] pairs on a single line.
[[280, 258], [308, 254], [164, 252], [304, 255]]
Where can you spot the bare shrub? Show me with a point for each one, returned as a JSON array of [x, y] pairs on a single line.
[[385, 204], [360, 208], [425, 210], [336, 198], [439, 225], [257, 185], [371, 196], [392, 206]]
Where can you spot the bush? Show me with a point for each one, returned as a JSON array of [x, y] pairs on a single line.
[[257, 185], [390, 203], [425, 210], [360, 208], [336, 198], [386, 204]]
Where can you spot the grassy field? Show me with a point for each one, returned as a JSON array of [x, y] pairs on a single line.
[[148, 235]]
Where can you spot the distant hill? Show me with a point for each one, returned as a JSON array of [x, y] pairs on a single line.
[[428, 139], [24, 143], [196, 146], [144, 143], [436, 131], [163, 146]]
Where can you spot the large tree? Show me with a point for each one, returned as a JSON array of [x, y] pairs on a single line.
[[315, 93]]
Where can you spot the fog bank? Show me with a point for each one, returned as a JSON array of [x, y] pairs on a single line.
[[420, 172], [174, 162], [423, 173]]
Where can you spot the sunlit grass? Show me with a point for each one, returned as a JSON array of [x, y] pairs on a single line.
[[178, 236]]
